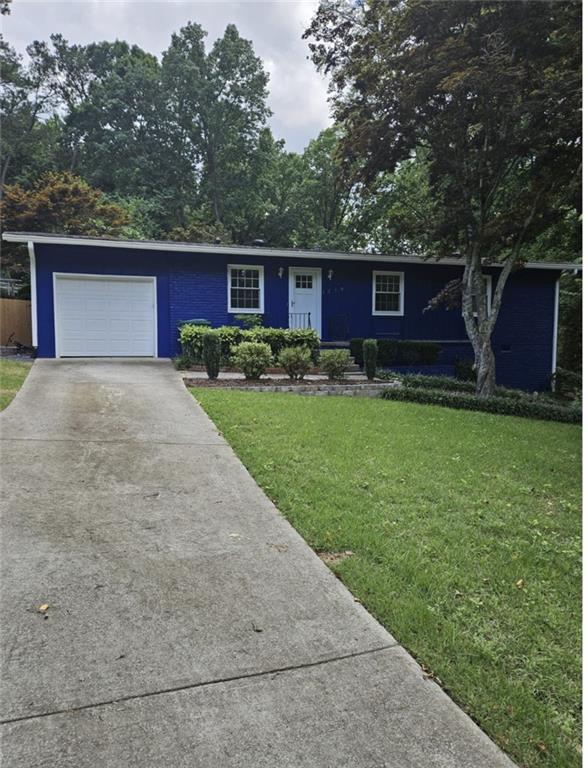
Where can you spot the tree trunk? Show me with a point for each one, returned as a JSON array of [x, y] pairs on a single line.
[[4, 174], [485, 370]]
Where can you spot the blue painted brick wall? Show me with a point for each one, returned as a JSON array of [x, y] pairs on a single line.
[[195, 285]]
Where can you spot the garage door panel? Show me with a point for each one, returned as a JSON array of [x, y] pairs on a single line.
[[105, 317]]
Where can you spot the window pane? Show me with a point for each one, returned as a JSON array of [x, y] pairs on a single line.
[[304, 281], [387, 302], [387, 289], [245, 288]]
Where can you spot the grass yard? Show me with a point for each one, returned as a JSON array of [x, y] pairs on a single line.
[[12, 375], [466, 533]]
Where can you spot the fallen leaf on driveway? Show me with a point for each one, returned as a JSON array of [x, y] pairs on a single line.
[[279, 547], [43, 608]]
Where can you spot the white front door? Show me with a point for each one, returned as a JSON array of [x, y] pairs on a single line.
[[104, 316], [305, 298]]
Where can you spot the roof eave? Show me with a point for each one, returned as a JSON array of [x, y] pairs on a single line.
[[241, 250]]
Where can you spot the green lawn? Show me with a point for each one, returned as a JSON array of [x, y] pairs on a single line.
[[12, 375], [466, 533]]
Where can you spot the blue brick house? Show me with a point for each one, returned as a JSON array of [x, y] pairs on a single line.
[[104, 297]]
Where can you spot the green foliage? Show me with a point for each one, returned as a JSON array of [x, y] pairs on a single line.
[[570, 323], [393, 352], [200, 226], [250, 321], [334, 362], [447, 383], [252, 358], [370, 357], [296, 361], [211, 353], [231, 335], [568, 384], [526, 407], [276, 338], [191, 341], [464, 369], [218, 103], [183, 362], [304, 337]]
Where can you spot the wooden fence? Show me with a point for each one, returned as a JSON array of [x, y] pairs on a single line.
[[15, 321]]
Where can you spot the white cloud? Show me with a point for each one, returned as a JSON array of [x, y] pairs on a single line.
[[297, 91]]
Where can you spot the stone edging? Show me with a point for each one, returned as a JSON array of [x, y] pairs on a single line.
[[356, 390]]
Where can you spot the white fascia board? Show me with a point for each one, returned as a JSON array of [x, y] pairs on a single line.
[[248, 251]]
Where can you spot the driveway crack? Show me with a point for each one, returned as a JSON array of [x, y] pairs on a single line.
[[204, 684]]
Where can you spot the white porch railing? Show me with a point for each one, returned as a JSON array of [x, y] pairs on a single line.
[[300, 320]]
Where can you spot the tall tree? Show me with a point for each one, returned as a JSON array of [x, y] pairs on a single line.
[[219, 99], [117, 127], [491, 91], [26, 94]]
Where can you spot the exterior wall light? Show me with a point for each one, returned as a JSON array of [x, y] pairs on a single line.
[[330, 274], [281, 272]]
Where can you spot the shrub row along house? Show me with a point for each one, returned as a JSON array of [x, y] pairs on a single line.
[[104, 297]]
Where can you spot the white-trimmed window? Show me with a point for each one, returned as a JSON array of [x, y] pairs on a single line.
[[245, 288], [387, 293]]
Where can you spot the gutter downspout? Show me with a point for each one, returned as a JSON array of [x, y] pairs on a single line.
[[33, 267], [555, 329]]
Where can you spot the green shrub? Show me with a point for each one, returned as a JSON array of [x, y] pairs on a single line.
[[449, 384], [396, 352], [370, 357], [334, 362], [274, 337], [230, 336], [250, 321], [464, 369], [211, 353], [526, 407], [182, 362], [252, 358], [304, 337], [191, 341], [296, 361], [568, 384]]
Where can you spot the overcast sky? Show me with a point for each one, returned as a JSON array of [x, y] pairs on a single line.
[[297, 92]]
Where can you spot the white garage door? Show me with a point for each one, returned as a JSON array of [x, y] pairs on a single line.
[[104, 316]]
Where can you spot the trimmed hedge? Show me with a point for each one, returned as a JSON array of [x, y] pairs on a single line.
[[447, 383], [231, 335], [370, 357], [211, 354], [527, 408], [394, 352]]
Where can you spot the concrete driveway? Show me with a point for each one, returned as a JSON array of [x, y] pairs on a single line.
[[188, 623]]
